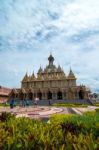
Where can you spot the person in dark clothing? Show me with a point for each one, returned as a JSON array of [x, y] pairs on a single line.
[[23, 103], [12, 103], [49, 102]]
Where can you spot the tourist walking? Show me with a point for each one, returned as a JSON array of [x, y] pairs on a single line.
[[49, 102]]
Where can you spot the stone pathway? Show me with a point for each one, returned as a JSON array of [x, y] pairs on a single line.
[[32, 112], [41, 112], [89, 108]]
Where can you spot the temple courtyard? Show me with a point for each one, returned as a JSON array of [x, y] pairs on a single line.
[[44, 112]]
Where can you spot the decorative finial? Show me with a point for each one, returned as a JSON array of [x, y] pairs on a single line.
[[50, 59]]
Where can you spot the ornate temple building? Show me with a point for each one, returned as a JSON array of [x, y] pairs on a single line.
[[50, 83]]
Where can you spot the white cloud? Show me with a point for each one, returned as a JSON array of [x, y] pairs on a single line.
[[30, 30]]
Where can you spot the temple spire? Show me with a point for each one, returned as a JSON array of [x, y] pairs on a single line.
[[51, 60], [71, 74], [25, 77], [33, 75], [40, 70]]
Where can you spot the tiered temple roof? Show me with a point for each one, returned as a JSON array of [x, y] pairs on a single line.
[[51, 71]]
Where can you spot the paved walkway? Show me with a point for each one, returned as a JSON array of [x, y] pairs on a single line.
[[41, 112]]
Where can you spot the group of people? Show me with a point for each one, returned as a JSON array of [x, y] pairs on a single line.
[[26, 102], [23, 103]]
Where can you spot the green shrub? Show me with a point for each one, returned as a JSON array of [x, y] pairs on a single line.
[[63, 132], [96, 104], [6, 116], [97, 110]]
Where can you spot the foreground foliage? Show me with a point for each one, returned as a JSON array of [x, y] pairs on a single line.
[[62, 132]]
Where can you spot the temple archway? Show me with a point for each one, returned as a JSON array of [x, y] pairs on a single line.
[[39, 95], [21, 96], [59, 95], [81, 94], [49, 95], [30, 96]]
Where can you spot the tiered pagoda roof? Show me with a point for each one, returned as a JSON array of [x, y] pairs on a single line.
[[51, 71]]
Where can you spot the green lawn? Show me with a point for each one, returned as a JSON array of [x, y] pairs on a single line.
[[4, 105], [69, 105]]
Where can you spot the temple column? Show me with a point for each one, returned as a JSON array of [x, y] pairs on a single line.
[[36, 94], [27, 96], [32, 96], [54, 95], [85, 95], [64, 95], [46, 96], [15, 96], [24, 96], [18, 96], [77, 95], [43, 95]]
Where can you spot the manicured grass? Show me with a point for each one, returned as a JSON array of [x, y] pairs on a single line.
[[4, 105], [97, 104], [69, 105]]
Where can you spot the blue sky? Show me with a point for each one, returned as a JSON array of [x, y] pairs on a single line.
[[31, 29]]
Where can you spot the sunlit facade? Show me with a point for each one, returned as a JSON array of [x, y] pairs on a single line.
[[50, 83]]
